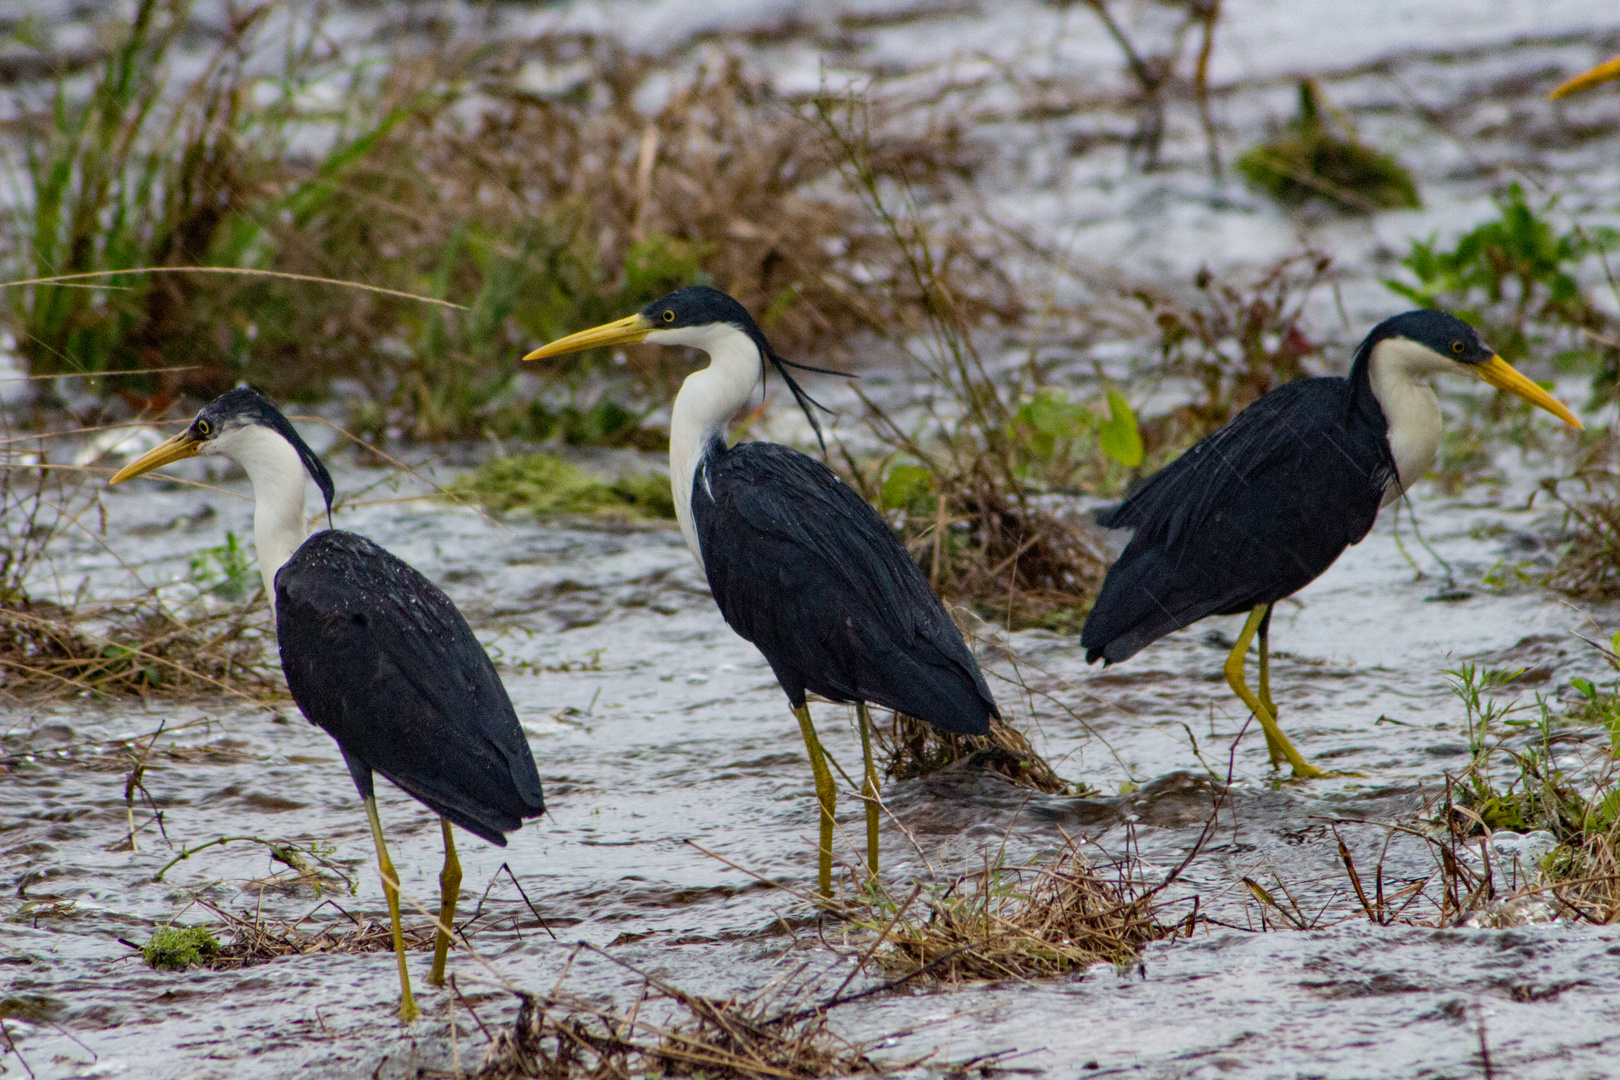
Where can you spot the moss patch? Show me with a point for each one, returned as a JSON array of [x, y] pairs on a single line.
[[547, 485], [175, 948], [1310, 161]]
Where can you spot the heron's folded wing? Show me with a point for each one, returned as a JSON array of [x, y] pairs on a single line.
[[381, 659], [802, 566]]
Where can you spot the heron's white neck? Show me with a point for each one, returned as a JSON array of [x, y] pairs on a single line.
[[277, 474], [707, 402], [1399, 371]]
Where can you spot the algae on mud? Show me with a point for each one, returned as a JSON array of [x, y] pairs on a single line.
[[547, 485]]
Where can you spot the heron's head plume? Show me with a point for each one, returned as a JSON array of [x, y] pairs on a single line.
[[693, 316]]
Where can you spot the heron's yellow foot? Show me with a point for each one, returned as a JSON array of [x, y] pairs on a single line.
[[449, 891], [390, 880], [826, 797]]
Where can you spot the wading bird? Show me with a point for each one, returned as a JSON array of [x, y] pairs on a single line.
[[375, 654], [1259, 508], [800, 565], [1609, 69]]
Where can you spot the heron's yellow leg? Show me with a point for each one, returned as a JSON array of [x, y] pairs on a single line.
[[1275, 739], [1264, 644], [449, 890], [826, 796], [390, 880], [869, 790]]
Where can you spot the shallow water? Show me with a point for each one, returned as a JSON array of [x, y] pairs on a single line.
[[654, 725]]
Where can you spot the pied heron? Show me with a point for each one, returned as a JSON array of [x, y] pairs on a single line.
[[798, 562], [375, 654], [1256, 510]]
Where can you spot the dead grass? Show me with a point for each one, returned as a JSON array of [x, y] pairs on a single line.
[[443, 172], [257, 940], [1589, 565], [1002, 922], [915, 748], [1528, 832], [778, 1034], [48, 651], [1586, 877], [138, 644], [968, 510]]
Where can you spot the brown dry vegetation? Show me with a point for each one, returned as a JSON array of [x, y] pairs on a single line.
[[442, 173], [1018, 922], [1589, 566], [914, 748], [779, 1034], [136, 645], [257, 940]]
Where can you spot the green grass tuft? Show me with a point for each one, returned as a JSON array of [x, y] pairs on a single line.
[[175, 948], [1533, 770], [547, 486]]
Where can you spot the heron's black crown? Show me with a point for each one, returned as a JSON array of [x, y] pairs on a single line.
[[245, 407], [1437, 331], [700, 305]]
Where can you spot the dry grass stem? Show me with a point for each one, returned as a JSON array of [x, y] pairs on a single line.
[[257, 940]]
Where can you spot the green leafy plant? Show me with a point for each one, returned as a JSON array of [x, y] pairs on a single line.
[[1118, 436], [908, 487], [1053, 437], [227, 571], [1522, 777], [1515, 277]]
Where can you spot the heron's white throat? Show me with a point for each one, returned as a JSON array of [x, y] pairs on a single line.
[[277, 474], [1399, 371], [707, 402]]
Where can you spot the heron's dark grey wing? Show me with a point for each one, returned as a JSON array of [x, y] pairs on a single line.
[[1249, 515], [802, 567], [381, 659]]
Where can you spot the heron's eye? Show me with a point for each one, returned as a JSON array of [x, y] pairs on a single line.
[[669, 315], [1458, 347], [204, 428]]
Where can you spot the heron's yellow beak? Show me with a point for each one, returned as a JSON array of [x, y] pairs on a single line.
[[1609, 69], [1502, 375], [183, 445], [626, 331]]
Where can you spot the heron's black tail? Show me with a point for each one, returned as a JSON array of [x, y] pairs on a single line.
[[1140, 602]]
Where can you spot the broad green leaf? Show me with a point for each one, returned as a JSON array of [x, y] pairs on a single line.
[[1121, 438], [1048, 417]]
